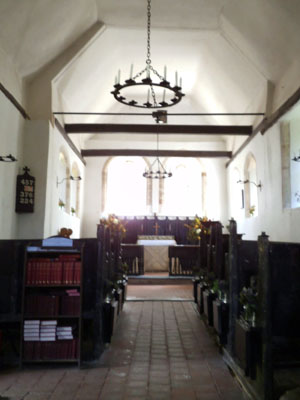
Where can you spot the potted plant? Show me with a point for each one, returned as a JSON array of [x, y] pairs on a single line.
[[221, 312], [61, 204], [209, 296], [110, 310], [246, 333]]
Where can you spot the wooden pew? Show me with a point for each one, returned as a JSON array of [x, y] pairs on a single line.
[[279, 313]]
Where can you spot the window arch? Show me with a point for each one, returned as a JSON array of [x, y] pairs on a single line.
[[184, 193], [127, 192], [251, 191], [64, 186], [75, 190]]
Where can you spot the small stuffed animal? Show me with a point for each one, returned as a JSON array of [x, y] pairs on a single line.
[[65, 232]]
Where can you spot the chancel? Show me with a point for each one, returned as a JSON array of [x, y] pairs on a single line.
[[187, 173]]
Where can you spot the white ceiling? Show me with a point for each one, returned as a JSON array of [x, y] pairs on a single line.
[[224, 50]]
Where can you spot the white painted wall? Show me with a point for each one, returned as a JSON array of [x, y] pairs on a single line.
[[92, 195], [35, 155], [55, 218], [280, 224], [11, 127]]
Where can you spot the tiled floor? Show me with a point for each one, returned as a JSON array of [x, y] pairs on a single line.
[[160, 292], [160, 351]]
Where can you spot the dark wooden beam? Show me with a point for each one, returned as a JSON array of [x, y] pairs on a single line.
[[164, 129], [267, 123], [154, 153], [69, 141], [283, 109], [14, 101]]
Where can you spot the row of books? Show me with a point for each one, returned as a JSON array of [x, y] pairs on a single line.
[[62, 350], [46, 331], [64, 303], [70, 304], [66, 269]]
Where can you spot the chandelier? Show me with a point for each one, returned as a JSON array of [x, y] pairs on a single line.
[[165, 96], [157, 170]]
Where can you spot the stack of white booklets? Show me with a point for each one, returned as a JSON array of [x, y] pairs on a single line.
[[31, 330], [48, 331], [64, 333]]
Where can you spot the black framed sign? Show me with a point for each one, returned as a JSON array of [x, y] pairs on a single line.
[[25, 192]]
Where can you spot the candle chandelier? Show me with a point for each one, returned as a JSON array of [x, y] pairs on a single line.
[[158, 91], [157, 170]]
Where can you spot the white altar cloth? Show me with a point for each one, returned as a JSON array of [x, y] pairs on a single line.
[[156, 256]]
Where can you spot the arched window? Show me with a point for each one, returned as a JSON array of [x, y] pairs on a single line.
[[251, 190], [75, 191], [64, 186], [183, 194], [126, 188]]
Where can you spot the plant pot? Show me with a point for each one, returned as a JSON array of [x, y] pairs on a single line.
[[208, 298], [200, 290], [110, 313], [196, 282], [247, 346], [221, 319]]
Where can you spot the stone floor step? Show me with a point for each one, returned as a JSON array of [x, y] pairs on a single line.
[[158, 280]]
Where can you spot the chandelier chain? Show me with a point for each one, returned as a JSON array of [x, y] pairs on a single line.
[[148, 61], [153, 96]]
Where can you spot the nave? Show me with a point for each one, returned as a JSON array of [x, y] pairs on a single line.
[[160, 350]]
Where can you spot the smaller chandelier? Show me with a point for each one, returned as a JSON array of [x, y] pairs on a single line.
[[8, 158], [157, 170], [169, 95]]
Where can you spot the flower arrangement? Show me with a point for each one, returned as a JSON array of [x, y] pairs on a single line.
[[73, 211], [252, 211], [114, 224], [248, 300], [61, 204], [195, 229]]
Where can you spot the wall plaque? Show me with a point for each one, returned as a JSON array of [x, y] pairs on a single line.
[[25, 192]]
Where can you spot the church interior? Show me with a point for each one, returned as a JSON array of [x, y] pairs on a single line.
[[149, 179]]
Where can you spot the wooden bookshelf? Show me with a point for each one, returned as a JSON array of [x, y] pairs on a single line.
[[51, 318]]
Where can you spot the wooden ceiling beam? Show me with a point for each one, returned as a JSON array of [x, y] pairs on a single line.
[[155, 153], [161, 129]]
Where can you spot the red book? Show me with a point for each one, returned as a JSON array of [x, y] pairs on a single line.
[[29, 272], [77, 268], [68, 272]]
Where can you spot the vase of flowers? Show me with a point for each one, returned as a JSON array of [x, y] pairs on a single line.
[[61, 204], [114, 224], [248, 301], [197, 226]]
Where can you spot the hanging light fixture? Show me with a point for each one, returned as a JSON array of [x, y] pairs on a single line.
[[150, 96], [157, 170], [8, 158]]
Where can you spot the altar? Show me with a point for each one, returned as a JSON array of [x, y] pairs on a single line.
[[156, 256]]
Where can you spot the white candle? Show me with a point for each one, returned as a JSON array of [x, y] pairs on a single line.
[[148, 96], [116, 80], [165, 73], [180, 82], [176, 78], [119, 75], [131, 71], [164, 95]]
